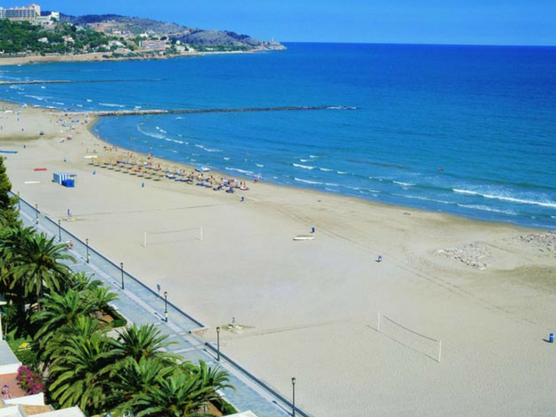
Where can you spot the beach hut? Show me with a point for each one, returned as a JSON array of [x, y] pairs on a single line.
[[62, 178]]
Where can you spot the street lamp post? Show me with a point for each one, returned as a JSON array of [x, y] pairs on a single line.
[[218, 344], [293, 397], [122, 269], [87, 246], [59, 231], [37, 213], [166, 306]]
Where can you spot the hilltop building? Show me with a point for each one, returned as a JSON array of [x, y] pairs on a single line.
[[47, 20], [31, 13], [18, 14]]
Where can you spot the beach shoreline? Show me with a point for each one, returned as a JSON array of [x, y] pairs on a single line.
[[309, 309], [103, 57], [94, 119]]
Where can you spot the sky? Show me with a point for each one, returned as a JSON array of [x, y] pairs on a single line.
[[483, 22]]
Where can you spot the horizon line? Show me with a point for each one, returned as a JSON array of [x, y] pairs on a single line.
[[425, 44]]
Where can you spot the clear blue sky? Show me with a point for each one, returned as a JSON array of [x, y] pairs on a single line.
[[492, 22]]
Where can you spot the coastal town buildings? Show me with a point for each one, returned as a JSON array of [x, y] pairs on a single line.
[[153, 45]]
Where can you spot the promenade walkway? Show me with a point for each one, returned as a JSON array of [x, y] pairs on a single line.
[[142, 305]]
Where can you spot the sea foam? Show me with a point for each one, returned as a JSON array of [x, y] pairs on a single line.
[[506, 198], [303, 166], [307, 181]]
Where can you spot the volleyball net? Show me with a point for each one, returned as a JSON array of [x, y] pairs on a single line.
[[172, 236], [410, 338]]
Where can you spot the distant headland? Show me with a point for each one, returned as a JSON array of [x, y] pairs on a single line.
[[29, 35]]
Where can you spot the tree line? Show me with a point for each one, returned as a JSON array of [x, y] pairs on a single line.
[[76, 354], [22, 37]]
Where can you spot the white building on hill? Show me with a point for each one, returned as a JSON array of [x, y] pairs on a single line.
[[31, 13]]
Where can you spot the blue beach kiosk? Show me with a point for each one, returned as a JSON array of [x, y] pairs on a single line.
[[67, 180]]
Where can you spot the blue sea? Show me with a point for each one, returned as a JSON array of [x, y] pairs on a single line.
[[467, 130]]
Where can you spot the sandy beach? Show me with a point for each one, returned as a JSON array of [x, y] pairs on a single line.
[[93, 57], [102, 56], [310, 308]]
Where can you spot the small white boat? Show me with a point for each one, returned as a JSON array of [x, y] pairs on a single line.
[[202, 168], [304, 237]]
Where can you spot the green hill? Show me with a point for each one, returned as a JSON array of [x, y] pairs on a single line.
[[23, 37], [199, 39]]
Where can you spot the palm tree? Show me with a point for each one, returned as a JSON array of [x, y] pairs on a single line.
[[7, 202], [4, 219], [178, 395], [93, 290], [142, 342], [132, 378], [58, 312], [37, 262], [80, 372], [100, 297], [82, 326], [81, 282], [212, 378], [154, 388], [11, 240]]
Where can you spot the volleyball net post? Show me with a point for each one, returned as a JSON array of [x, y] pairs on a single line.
[[439, 351]]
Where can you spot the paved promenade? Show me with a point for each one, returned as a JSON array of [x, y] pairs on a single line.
[[142, 305]]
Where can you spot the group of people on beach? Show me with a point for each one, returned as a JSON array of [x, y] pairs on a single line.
[[148, 168], [228, 184]]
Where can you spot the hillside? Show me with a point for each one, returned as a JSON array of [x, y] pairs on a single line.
[[207, 39], [198, 39], [23, 37], [134, 25]]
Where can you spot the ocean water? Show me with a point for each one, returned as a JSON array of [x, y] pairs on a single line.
[[467, 130]]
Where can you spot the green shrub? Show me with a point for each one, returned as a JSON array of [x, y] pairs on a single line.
[[28, 356]]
